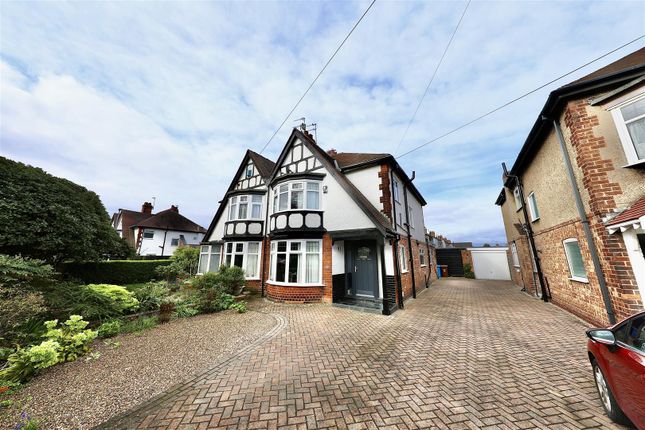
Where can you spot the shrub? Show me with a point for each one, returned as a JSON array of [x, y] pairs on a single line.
[[115, 271], [165, 311], [208, 280], [151, 295], [468, 271], [185, 310], [71, 337], [186, 258], [139, 324], [95, 302], [232, 279], [110, 328], [25, 363], [122, 298], [240, 307]]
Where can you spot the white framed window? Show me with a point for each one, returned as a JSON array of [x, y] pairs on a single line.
[[422, 256], [395, 190], [245, 207], [148, 234], [249, 170], [574, 260], [411, 216], [297, 195], [516, 258], [296, 262], [518, 199], [209, 258], [245, 255], [400, 219], [403, 261], [629, 118], [533, 208], [174, 241]]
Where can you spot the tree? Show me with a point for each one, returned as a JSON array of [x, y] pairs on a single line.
[[53, 219]]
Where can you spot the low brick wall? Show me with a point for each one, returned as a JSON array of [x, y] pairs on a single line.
[[294, 294]]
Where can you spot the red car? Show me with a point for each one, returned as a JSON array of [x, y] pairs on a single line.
[[617, 357]]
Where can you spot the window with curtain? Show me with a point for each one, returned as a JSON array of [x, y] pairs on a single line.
[[516, 259], [245, 207], [574, 260], [629, 118], [296, 196], [296, 261], [533, 208], [403, 261], [209, 258], [245, 255]]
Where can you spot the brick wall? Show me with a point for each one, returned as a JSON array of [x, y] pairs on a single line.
[[421, 274], [615, 263], [386, 193]]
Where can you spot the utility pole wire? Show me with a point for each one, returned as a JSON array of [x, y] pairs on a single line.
[[318, 76], [517, 98], [405, 133]]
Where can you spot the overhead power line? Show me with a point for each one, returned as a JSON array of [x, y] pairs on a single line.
[[317, 76], [490, 112], [452, 36]]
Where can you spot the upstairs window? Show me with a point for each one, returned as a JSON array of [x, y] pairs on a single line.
[[249, 170], [174, 241], [422, 256], [148, 234], [574, 260], [245, 207], [629, 118], [533, 208], [297, 196], [402, 260], [518, 199], [395, 190], [411, 217]]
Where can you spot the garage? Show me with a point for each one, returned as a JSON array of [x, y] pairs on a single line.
[[490, 263]]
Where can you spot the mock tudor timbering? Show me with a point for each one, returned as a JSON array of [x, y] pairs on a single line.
[[603, 279], [320, 226]]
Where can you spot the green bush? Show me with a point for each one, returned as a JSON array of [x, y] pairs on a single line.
[[151, 295], [468, 271], [95, 302], [23, 364], [110, 328], [232, 279], [139, 324], [114, 272], [185, 310], [72, 338], [166, 310], [240, 307]]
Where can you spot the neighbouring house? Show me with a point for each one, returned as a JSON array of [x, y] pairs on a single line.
[[573, 202], [322, 226], [157, 234]]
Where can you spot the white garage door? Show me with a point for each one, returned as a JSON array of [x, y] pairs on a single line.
[[490, 263]]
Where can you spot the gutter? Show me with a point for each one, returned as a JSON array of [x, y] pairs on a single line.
[[593, 251]]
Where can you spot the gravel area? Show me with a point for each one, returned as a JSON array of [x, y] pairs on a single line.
[[84, 393]]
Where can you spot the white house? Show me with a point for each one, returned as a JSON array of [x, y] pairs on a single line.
[[320, 226], [157, 234]]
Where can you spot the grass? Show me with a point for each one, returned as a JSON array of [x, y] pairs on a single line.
[[134, 287]]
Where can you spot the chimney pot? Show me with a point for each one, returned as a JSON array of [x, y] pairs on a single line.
[[174, 208], [146, 208], [332, 152]]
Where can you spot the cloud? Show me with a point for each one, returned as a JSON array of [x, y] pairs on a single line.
[[135, 100]]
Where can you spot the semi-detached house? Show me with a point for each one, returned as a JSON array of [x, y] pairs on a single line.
[[573, 202], [322, 226]]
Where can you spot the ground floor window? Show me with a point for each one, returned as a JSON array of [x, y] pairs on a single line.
[[516, 258], [296, 261], [209, 258], [402, 259], [574, 259], [245, 255]]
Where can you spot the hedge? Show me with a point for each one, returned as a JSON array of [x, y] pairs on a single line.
[[114, 272]]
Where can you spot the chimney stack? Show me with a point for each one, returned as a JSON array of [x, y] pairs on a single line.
[[332, 152], [174, 208], [146, 208]]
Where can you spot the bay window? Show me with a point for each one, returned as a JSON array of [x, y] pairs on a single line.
[[296, 261], [245, 255], [209, 258], [296, 195], [245, 207]]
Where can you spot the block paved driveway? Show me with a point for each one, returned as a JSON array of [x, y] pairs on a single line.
[[464, 354]]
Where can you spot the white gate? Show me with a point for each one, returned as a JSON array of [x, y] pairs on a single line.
[[490, 263]]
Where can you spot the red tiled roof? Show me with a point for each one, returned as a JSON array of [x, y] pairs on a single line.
[[171, 220], [636, 211], [630, 61], [346, 159]]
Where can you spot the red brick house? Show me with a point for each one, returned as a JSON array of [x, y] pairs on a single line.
[[322, 226], [573, 203]]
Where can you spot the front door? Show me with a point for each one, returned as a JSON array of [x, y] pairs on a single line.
[[363, 266]]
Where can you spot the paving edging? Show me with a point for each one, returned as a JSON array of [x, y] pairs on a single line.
[[129, 419]]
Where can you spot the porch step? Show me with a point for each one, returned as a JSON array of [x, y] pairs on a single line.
[[360, 304], [358, 308]]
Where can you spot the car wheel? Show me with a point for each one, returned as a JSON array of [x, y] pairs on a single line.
[[607, 398]]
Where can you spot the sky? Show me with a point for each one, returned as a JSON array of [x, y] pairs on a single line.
[[135, 100]]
